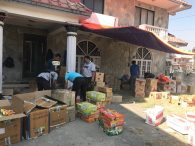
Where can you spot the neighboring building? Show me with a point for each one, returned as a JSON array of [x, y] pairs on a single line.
[[31, 27]]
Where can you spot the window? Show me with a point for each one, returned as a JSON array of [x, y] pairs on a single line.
[[90, 49], [144, 60], [144, 16], [95, 5]]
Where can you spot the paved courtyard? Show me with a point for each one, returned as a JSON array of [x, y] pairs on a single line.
[[136, 133]]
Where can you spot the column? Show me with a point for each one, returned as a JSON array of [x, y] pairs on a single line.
[[71, 49], [2, 17]]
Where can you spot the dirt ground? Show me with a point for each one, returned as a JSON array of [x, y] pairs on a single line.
[[136, 132]]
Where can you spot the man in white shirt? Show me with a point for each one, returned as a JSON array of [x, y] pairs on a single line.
[[89, 70], [46, 80]]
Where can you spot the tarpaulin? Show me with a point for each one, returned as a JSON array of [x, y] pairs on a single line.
[[137, 37]]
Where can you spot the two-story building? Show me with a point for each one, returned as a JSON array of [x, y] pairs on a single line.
[[30, 27]]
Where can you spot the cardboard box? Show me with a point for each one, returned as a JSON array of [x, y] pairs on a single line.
[[140, 94], [178, 123], [70, 114], [99, 77], [65, 96], [154, 116], [191, 137], [10, 126], [105, 89], [36, 122], [140, 82], [117, 99], [100, 84], [191, 90], [8, 92], [57, 116]]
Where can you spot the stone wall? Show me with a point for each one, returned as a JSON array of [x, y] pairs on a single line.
[[122, 9], [116, 56], [13, 47]]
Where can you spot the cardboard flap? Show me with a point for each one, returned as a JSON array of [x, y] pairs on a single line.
[[44, 102], [15, 116], [4, 103], [43, 93], [28, 106]]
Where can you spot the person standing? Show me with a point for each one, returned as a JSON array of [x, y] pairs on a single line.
[[51, 67], [79, 84], [46, 80], [171, 71], [89, 71], [134, 71]]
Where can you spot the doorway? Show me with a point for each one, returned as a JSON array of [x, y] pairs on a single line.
[[34, 50]]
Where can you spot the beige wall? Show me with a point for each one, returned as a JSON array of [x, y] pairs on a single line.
[[125, 11]]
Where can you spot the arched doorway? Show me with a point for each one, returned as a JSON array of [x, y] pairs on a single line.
[[144, 60], [87, 48]]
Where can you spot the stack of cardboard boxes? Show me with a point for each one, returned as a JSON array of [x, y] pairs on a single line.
[[107, 91], [87, 112], [36, 114], [140, 88], [67, 97], [151, 86], [42, 113], [99, 79]]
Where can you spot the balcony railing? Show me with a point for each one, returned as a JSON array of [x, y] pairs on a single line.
[[161, 32]]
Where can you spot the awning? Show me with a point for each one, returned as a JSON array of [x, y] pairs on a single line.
[[137, 37]]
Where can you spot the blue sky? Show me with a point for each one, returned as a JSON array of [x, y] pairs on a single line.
[[182, 25]]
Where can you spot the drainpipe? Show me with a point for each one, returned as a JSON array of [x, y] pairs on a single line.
[[2, 17]]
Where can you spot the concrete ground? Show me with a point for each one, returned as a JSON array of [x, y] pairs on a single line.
[[136, 133]]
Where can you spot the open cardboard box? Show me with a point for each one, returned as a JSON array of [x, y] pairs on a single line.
[[40, 112], [8, 123]]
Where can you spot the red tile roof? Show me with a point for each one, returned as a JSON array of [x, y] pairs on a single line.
[[73, 6]]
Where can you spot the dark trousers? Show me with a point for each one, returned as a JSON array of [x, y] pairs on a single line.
[[171, 75], [90, 87], [43, 84], [80, 87], [132, 85]]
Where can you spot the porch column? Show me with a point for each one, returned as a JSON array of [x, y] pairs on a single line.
[[71, 49], [2, 17]]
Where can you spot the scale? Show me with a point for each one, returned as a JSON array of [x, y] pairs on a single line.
[[56, 64]]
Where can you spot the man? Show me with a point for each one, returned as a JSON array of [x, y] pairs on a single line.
[[79, 84], [46, 80], [89, 71], [51, 67], [134, 71], [171, 71]]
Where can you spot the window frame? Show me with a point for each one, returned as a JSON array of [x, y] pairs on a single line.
[[102, 12], [140, 16]]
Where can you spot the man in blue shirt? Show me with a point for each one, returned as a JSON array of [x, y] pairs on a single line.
[[134, 71], [79, 84]]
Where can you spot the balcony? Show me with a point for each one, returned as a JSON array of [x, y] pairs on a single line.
[[161, 32]]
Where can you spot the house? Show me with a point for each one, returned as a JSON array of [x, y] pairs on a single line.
[[31, 27]]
